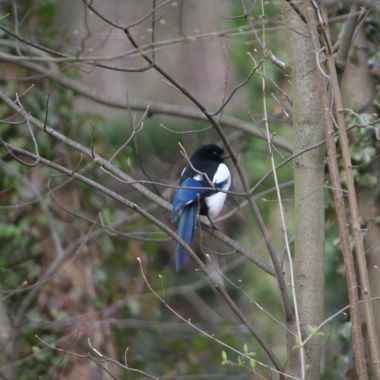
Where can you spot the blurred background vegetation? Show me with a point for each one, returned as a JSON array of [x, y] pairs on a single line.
[[98, 292]]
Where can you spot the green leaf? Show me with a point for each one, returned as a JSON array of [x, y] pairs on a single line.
[[225, 360], [313, 330]]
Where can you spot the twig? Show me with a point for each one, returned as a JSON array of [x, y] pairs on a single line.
[[297, 10], [136, 129], [267, 53], [18, 102], [103, 358], [237, 88], [329, 319], [251, 300], [119, 364], [346, 40]]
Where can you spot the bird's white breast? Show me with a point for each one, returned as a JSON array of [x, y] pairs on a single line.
[[215, 202]]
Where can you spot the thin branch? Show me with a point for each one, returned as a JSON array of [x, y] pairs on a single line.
[[333, 316], [256, 196], [119, 364], [347, 38], [237, 88], [18, 102], [267, 53], [152, 14], [154, 29], [136, 129], [296, 9], [251, 300], [103, 358], [303, 151], [121, 27], [18, 159]]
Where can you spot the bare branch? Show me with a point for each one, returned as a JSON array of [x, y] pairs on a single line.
[[346, 41], [267, 53], [237, 88]]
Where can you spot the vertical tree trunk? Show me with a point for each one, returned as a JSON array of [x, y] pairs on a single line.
[[308, 186]]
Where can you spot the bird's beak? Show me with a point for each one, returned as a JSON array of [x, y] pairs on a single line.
[[226, 156]]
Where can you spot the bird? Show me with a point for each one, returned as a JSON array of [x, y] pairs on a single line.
[[199, 193]]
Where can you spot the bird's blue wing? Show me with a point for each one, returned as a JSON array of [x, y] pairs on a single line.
[[186, 226], [186, 208], [185, 196]]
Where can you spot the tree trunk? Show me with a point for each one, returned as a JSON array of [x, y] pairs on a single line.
[[309, 200]]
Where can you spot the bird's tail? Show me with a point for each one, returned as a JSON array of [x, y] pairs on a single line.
[[185, 231]]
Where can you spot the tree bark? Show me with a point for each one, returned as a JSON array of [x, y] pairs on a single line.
[[308, 188]]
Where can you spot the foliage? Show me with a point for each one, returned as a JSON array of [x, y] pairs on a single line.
[[98, 292]]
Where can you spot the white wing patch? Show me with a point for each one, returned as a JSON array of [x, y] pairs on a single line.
[[215, 202]]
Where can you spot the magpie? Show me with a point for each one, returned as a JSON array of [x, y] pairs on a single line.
[[198, 193]]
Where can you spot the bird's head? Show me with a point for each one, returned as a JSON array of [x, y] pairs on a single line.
[[210, 152]]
